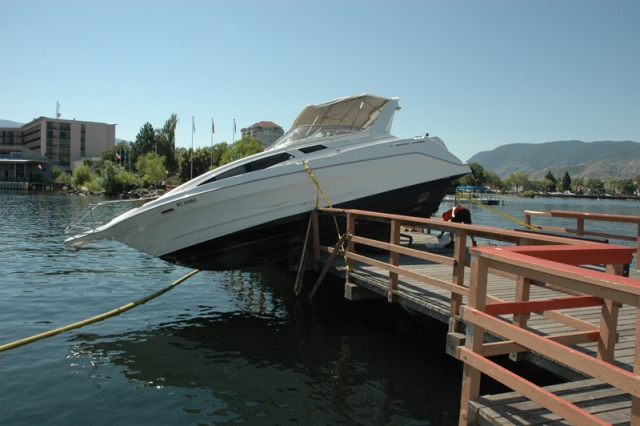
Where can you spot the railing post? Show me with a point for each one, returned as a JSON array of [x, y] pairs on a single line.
[[394, 259], [351, 229], [316, 234], [609, 322], [460, 254], [523, 290], [580, 227], [635, 401], [475, 337], [638, 250]]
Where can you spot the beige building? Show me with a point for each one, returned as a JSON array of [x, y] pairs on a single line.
[[66, 143], [267, 131]]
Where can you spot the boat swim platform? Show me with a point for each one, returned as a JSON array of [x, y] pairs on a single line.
[[365, 281]]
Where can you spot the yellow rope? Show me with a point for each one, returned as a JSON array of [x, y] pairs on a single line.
[[459, 195], [335, 220], [308, 169], [95, 319]]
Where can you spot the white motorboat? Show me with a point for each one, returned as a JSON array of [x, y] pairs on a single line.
[[255, 210]]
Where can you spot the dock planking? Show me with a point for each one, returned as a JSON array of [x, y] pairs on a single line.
[[600, 399]]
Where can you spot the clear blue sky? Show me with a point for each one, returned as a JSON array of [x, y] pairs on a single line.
[[478, 74]]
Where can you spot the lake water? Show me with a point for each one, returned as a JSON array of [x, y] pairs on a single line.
[[221, 348]]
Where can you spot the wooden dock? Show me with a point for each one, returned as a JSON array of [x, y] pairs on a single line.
[[439, 283]]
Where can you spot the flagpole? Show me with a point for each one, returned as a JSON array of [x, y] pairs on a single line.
[[213, 130], [193, 129]]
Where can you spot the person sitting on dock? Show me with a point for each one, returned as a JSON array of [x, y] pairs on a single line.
[[458, 214]]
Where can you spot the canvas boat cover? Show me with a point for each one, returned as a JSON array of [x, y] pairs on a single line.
[[359, 111]]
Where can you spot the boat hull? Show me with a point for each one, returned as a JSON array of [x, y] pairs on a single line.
[[283, 238]]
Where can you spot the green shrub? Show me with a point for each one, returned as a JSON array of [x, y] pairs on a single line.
[[115, 180], [528, 194], [81, 174], [93, 186]]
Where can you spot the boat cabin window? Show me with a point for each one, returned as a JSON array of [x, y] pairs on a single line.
[[259, 164], [310, 149]]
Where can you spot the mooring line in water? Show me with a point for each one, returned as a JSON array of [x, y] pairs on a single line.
[[98, 318]]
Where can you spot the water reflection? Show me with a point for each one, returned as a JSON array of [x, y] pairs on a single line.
[[285, 362]]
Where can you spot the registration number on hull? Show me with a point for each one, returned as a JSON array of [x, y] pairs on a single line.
[[185, 202]]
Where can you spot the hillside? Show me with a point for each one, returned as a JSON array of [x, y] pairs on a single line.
[[9, 123], [605, 159]]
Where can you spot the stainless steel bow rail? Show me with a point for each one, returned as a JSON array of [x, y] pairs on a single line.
[[95, 215]]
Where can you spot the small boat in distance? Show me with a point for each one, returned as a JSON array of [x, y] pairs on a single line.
[[479, 194], [255, 210]]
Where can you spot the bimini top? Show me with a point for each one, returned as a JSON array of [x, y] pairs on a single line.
[[343, 115]]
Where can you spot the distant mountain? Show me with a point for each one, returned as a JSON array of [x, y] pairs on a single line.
[[9, 123], [606, 159]]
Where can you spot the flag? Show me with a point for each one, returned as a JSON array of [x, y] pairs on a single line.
[[213, 128], [40, 166], [193, 124], [234, 125]]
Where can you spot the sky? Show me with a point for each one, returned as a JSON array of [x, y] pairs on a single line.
[[477, 74]]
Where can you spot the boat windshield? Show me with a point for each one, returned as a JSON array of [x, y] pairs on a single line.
[[308, 132]]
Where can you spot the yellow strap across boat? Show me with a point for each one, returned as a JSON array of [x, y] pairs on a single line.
[[326, 199], [308, 169]]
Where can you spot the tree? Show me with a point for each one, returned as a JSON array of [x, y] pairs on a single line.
[[115, 180], [578, 183], [55, 173], [595, 185], [552, 178], [81, 174], [541, 185], [492, 179], [165, 140], [117, 155], [628, 187], [476, 178], [216, 153], [242, 148], [612, 185], [145, 142], [201, 162], [151, 168], [519, 180], [566, 182]]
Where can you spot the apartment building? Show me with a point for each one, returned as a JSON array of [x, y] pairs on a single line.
[[267, 131], [66, 143]]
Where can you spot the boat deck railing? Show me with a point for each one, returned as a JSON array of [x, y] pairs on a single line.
[[97, 214]]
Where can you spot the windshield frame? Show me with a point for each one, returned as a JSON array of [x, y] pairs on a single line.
[[309, 132]]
